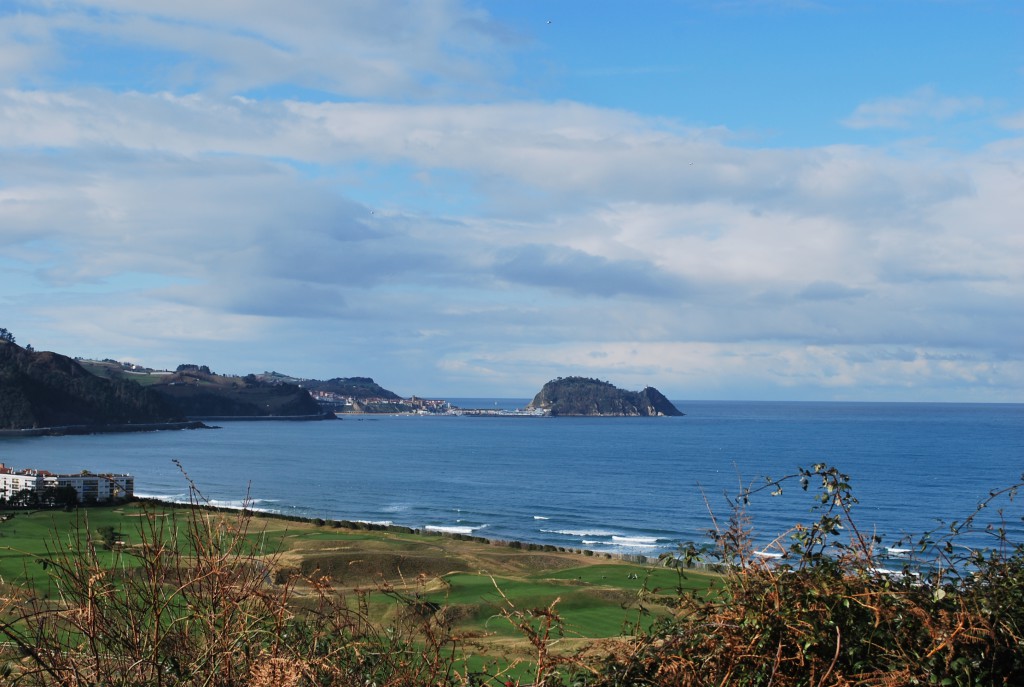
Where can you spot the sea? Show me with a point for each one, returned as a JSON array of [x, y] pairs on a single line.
[[640, 486]]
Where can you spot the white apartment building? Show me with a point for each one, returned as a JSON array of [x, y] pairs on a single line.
[[90, 487]]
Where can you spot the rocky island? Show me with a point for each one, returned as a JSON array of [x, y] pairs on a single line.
[[591, 397]]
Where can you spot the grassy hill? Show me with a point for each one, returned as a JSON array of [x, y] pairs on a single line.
[[199, 393], [354, 387]]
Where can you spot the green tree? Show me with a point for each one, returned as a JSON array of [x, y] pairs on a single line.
[[61, 497]]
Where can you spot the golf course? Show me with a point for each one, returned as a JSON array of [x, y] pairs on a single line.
[[492, 596]]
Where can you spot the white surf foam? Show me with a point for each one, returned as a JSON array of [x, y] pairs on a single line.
[[454, 529], [635, 542], [583, 533], [170, 498], [255, 504]]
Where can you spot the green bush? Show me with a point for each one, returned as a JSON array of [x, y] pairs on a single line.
[[826, 614]]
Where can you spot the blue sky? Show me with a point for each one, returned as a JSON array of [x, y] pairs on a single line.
[[761, 199]]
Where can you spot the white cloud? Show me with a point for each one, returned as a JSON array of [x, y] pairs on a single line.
[[486, 241], [836, 245], [1014, 122], [901, 112], [359, 48], [708, 370]]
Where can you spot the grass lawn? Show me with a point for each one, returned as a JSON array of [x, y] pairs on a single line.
[[28, 537]]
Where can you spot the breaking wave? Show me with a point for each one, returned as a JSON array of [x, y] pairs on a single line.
[[582, 533], [454, 529], [635, 542]]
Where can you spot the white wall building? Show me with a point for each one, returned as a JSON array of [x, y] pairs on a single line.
[[90, 487]]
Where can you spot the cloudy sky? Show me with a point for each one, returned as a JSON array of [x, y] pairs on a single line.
[[735, 199]]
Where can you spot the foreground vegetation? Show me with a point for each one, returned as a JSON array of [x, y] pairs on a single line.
[[195, 597]]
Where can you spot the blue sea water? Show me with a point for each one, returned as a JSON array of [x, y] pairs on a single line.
[[629, 485]]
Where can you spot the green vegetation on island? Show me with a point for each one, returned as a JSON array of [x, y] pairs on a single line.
[[584, 396]]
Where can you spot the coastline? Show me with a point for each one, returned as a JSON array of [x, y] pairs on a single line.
[[68, 430], [264, 418], [191, 423], [362, 525]]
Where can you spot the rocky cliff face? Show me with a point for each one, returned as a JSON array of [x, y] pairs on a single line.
[[592, 397], [655, 403], [50, 390]]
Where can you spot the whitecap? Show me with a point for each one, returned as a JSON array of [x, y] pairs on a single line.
[[230, 503], [454, 529], [582, 533], [255, 505], [634, 541], [171, 498]]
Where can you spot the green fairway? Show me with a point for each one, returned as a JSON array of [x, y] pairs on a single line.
[[588, 609], [662, 581], [26, 538]]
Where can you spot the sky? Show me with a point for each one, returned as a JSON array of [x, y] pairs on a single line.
[[723, 199]]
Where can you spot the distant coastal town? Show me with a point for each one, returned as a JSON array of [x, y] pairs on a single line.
[[344, 404]]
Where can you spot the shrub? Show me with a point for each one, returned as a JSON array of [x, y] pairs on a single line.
[[195, 603], [826, 615]]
